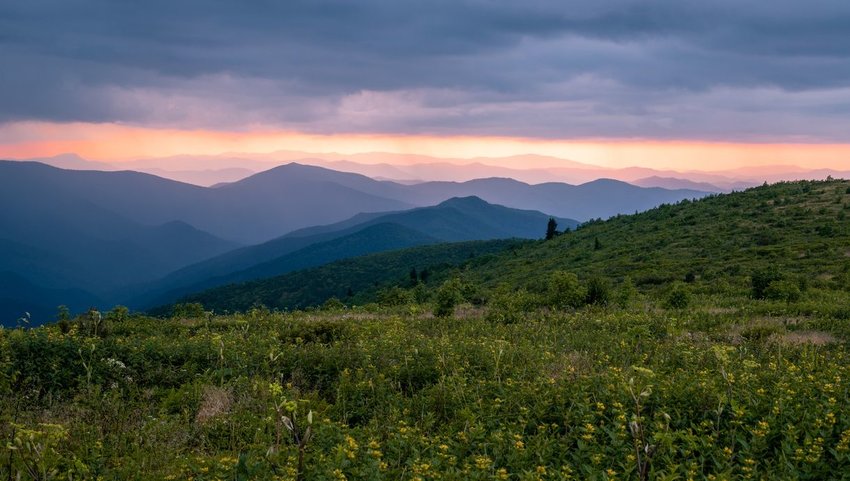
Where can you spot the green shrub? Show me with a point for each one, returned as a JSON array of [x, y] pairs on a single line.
[[761, 331], [598, 291], [783, 290], [760, 280], [679, 296], [333, 304], [509, 305], [449, 295], [565, 291], [118, 314], [395, 296], [189, 310], [626, 293]]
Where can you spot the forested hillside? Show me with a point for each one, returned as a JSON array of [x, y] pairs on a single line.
[[792, 235], [456, 219]]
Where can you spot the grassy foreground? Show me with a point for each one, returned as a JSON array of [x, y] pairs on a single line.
[[742, 392]]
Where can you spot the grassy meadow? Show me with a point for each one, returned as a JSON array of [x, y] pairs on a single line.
[[664, 346]]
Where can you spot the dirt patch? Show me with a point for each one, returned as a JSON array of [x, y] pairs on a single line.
[[215, 402], [469, 312], [798, 338], [715, 311], [783, 321], [693, 337]]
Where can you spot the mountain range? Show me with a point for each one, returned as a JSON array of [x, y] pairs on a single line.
[[791, 236], [454, 220], [83, 237], [209, 170]]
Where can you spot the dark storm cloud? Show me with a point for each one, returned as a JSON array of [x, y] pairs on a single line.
[[533, 67]]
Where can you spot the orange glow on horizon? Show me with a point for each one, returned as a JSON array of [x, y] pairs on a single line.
[[116, 143]]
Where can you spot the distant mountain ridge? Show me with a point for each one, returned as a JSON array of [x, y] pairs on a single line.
[[107, 232], [794, 236], [454, 220], [601, 198], [208, 170]]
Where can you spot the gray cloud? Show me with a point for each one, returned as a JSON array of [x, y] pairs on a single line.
[[725, 69]]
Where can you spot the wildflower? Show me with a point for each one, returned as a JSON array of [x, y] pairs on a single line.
[[844, 442], [482, 462], [761, 429]]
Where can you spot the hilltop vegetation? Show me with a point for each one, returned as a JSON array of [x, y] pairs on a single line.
[[701, 340], [792, 235], [716, 243], [62, 230], [355, 281], [457, 219]]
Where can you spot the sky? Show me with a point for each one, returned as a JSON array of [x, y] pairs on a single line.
[[667, 83]]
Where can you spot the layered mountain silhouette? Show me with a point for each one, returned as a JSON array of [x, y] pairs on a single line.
[[252, 210], [98, 234], [601, 198], [457, 219]]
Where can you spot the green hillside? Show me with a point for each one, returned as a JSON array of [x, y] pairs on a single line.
[[354, 280], [703, 341], [455, 220], [789, 234], [715, 243]]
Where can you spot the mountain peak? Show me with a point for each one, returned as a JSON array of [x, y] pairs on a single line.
[[470, 200]]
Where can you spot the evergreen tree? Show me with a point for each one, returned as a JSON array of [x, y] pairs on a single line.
[[551, 229]]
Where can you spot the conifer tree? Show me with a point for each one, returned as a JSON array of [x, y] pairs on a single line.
[[551, 229]]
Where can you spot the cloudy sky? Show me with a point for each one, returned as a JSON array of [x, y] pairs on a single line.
[[117, 77]]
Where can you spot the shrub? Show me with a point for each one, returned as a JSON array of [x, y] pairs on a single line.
[[118, 314], [761, 331], [449, 295], [565, 291], [783, 290], [598, 291], [333, 304], [395, 296], [761, 279], [508, 305], [189, 310], [679, 296], [64, 316], [92, 323]]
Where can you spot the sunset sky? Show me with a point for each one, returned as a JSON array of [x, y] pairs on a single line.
[[665, 84]]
